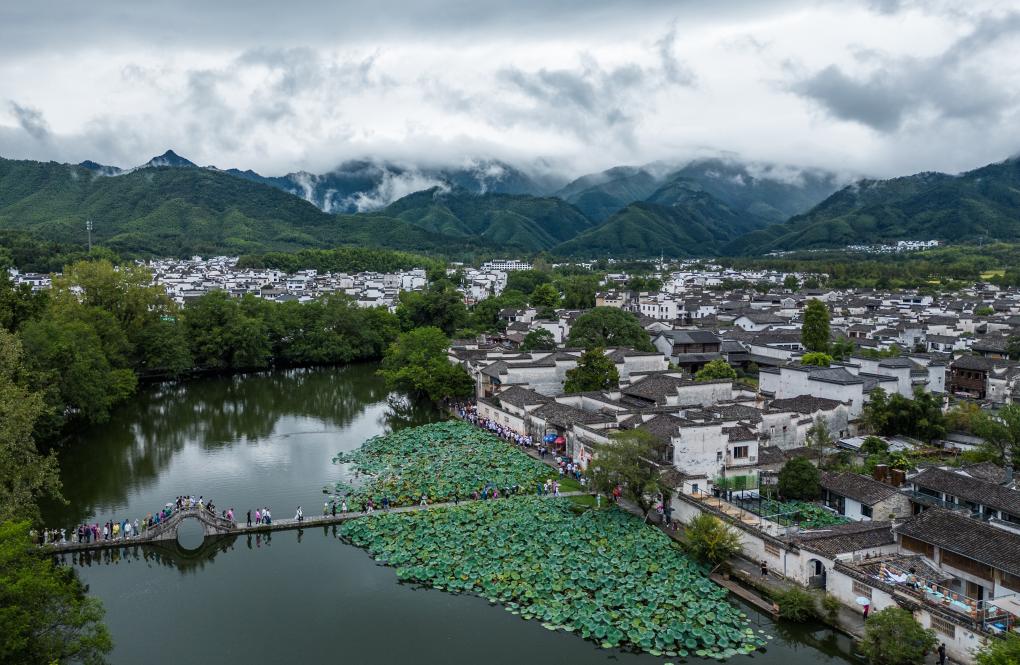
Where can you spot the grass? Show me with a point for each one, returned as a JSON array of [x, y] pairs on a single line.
[[988, 274]]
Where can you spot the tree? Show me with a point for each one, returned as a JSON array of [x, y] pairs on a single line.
[[627, 461], [643, 283], [818, 436], [539, 339], [893, 637], [545, 295], [790, 283], [609, 326], [578, 291], [798, 479], [873, 445], [1004, 650], [842, 348], [25, 475], [815, 333], [921, 417], [816, 359], [711, 540], [440, 305], [1001, 431], [796, 604], [526, 281], [594, 371], [1013, 347], [45, 614], [715, 369], [417, 362]]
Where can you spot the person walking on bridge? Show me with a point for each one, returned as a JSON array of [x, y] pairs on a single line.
[[249, 517], [332, 508]]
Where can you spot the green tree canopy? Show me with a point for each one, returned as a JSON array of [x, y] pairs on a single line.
[[594, 371], [873, 445], [893, 637], [25, 475], [526, 281], [814, 334], [715, 369], [1004, 650], [816, 358], [627, 461], [889, 415], [440, 305], [539, 339], [1001, 431], [799, 479], [417, 362], [545, 295], [711, 540], [578, 290], [791, 283], [609, 326]]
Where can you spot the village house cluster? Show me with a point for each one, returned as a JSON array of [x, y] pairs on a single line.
[[941, 539]]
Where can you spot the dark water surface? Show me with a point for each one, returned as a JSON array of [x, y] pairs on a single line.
[[297, 596]]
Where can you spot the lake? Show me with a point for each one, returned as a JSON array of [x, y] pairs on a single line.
[[296, 596]]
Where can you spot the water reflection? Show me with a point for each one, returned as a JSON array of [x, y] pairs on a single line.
[[277, 420]]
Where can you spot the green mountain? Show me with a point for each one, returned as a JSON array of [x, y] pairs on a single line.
[[503, 220], [599, 195], [983, 203], [181, 211], [698, 226], [768, 191]]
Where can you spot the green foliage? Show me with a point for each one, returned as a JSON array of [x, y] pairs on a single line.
[[893, 637], [714, 370], [485, 314], [19, 303], [440, 305], [594, 371], [816, 358], [984, 310], [526, 281], [417, 362], [798, 479], [791, 283], [609, 326], [513, 552], [25, 475], [814, 334], [578, 290], [921, 417], [711, 540], [545, 295], [796, 604], [803, 514], [340, 259], [1001, 431], [441, 460], [818, 436], [873, 445], [644, 283], [45, 615], [842, 348], [1004, 650], [831, 608], [539, 339], [626, 461]]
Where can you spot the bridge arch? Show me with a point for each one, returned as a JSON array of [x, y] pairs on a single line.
[[212, 524]]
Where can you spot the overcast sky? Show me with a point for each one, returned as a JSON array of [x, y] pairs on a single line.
[[882, 88]]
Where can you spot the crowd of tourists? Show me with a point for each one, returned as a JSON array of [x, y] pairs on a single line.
[[468, 412], [127, 529]]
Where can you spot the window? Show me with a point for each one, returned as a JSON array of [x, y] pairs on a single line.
[[865, 510], [862, 589], [740, 452], [718, 456], [943, 626]]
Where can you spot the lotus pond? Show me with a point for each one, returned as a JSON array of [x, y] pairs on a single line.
[[440, 460], [787, 513], [602, 574]]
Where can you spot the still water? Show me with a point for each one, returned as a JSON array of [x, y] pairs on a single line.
[[297, 596]]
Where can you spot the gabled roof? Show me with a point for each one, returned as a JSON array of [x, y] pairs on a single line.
[[663, 427], [968, 537], [805, 404], [857, 487], [970, 489], [521, 397], [843, 538]]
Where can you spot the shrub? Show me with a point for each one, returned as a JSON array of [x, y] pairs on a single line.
[[893, 637], [796, 605]]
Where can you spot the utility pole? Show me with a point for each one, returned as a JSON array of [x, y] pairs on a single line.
[[88, 227]]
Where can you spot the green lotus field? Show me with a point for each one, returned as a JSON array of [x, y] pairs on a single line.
[[439, 460], [602, 574]]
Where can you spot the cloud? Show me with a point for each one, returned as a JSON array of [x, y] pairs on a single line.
[[956, 84], [675, 71], [31, 120]]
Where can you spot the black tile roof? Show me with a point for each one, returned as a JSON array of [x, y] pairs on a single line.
[[805, 404], [970, 489], [968, 537], [857, 487], [842, 538]]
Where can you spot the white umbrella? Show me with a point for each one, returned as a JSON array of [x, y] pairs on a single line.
[[861, 600]]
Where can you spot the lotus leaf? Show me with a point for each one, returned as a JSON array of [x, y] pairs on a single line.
[[591, 572]]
